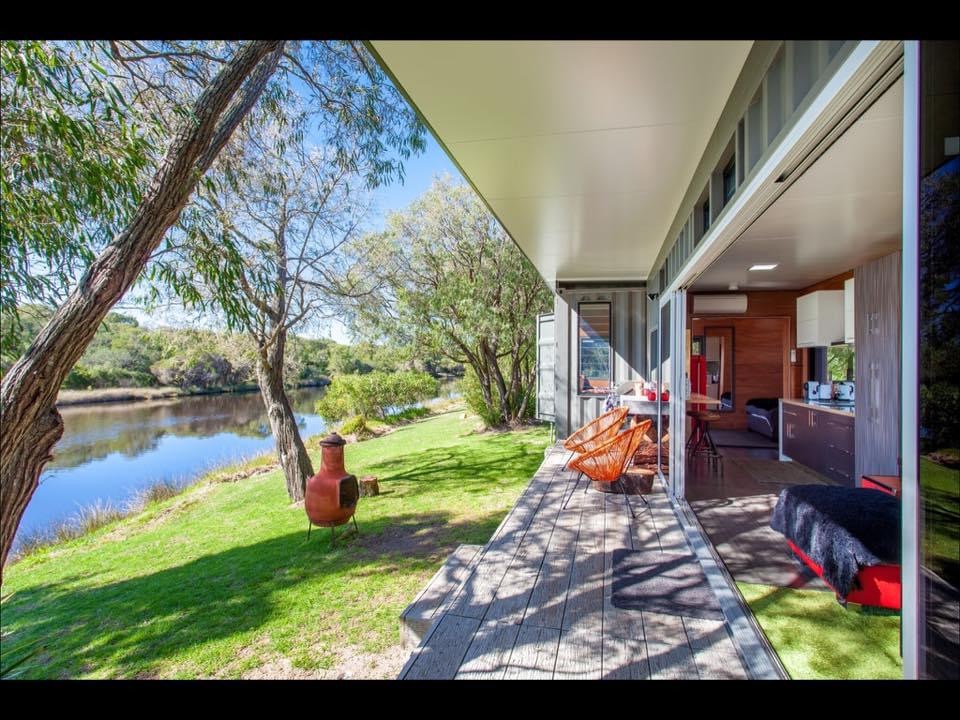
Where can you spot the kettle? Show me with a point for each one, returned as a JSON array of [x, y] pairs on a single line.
[[845, 390], [811, 390]]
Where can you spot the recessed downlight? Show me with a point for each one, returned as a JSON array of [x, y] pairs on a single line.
[[763, 266]]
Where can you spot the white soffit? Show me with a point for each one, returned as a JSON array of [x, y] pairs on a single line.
[[841, 213], [584, 150]]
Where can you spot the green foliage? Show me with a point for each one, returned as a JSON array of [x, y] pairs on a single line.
[[840, 362], [356, 425], [375, 394], [458, 287], [490, 411], [408, 415], [197, 368], [74, 152]]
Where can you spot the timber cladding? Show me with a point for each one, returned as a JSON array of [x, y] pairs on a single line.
[[877, 333], [761, 358]]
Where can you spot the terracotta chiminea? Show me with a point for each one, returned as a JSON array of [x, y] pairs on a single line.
[[331, 497]]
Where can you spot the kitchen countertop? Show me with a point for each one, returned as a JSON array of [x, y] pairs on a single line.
[[845, 409]]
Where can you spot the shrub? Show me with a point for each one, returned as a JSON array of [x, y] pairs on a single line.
[[374, 395], [473, 395], [411, 413], [196, 368], [355, 426]]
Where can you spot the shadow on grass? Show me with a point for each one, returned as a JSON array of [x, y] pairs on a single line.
[[468, 469], [134, 624]]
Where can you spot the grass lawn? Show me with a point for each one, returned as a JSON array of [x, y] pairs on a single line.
[[221, 581], [818, 639]]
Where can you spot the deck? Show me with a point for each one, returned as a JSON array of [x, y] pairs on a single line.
[[537, 600]]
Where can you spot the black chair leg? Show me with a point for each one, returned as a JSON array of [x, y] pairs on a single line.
[[575, 484], [626, 497]]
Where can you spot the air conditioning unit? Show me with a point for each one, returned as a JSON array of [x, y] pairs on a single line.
[[719, 304]]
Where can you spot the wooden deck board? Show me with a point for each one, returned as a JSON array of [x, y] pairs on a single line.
[[489, 653], [536, 601], [579, 655], [443, 650], [534, 654]]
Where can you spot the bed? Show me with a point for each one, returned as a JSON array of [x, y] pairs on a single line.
[[850, 537]]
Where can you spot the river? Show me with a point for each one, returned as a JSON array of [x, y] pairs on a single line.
[[110, 451]]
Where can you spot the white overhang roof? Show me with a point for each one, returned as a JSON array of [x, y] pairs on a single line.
[[583, 150]]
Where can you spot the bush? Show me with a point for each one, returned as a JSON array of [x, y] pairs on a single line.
[[374, 395], [473, 395], [83, 377], [412, 413], [196, 369], [355, 426]]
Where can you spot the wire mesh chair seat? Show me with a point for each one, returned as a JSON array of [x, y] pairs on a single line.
[[595, 433], [607, 462]]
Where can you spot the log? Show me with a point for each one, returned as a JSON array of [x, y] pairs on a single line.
[[369, 486]]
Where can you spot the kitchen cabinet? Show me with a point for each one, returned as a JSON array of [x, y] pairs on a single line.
[[823, 440], [820, 317], [849, 315]]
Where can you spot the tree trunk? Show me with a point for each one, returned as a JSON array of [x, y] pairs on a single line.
[[28, 395], [290, 449]]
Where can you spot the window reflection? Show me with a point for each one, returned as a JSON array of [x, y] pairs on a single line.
[[596, 376]]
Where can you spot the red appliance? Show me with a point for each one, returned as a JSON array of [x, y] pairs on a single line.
[[698, 374], [332, 494]]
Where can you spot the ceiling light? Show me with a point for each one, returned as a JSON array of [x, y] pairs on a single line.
[[761, 266]]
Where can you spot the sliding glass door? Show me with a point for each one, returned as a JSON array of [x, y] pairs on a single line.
[[672, 397]]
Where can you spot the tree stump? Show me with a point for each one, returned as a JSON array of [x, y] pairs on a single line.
[[369, 486]]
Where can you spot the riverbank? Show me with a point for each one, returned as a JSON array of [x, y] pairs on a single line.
[[135, 394], [221, 581]]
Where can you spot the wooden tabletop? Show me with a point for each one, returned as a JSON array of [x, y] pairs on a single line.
[[698, 399]]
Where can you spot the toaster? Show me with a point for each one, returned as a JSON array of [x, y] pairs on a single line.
[[811, 390]]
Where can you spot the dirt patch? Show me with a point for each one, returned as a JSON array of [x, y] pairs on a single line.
[[351, 664], [191, 498], [244, 474]]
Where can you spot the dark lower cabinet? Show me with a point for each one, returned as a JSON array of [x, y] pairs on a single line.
[[821, 440]]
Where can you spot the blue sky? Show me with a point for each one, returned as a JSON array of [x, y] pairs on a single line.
[[419, 171]]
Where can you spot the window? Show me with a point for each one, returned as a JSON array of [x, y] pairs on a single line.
[[596, 366], [706, 216], [729, 181]]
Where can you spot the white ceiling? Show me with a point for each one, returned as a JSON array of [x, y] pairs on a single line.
[[842, 212], [583, 149]]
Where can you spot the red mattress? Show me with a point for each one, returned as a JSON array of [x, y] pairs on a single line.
[[879, 584]]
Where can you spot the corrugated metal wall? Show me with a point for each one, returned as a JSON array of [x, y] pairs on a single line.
[[629, 340]]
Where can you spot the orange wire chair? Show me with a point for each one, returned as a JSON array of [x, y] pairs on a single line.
[[607, 462], [595, 433]]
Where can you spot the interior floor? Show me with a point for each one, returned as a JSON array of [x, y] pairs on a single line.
[[734, 506]]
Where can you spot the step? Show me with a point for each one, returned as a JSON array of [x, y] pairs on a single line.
[[419, 615]]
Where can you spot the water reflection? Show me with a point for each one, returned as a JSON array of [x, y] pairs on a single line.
[[109, 451]]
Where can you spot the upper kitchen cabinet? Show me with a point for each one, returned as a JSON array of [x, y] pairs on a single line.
[[820, 318], [849, 316]]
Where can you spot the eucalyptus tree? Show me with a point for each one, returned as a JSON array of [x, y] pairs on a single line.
[[106, 178], [455, 284], [73, 184], [285, 225]]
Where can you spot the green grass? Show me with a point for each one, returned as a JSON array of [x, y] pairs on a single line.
[[941, 510], [816, 638], [221, 580]]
